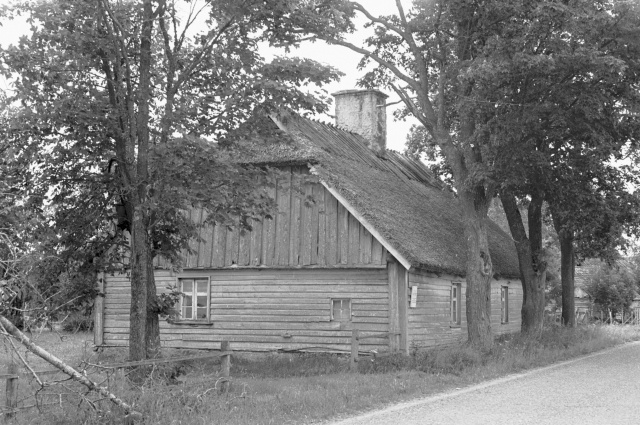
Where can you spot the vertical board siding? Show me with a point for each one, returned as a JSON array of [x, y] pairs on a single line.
[[267, 309], [429, 321], [310, 228]]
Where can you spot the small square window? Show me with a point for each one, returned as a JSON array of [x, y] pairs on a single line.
[[455, 305], [195, 302], [504, 304], [341, 310]]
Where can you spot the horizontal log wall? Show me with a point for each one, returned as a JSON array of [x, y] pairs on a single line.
[[266, 309], [429, 321], [515, 306], [311, 228]]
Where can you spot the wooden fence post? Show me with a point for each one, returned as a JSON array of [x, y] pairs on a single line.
[[12, 390], [225, 366], [355, 347]]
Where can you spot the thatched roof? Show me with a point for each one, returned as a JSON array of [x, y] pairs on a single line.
[[397, 195]]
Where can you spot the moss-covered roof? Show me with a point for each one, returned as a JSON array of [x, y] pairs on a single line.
[[396, 194]]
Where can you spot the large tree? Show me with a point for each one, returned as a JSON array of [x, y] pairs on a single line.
[[485, 78], [565, 120], [137, 104], [424, 56]]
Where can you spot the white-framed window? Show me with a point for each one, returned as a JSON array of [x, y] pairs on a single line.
[[341, 309], [455, 305], [504, 304], [195, 302]]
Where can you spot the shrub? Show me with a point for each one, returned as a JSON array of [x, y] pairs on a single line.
[[78, 322]]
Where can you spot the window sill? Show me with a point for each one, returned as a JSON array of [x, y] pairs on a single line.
[[190, 322]]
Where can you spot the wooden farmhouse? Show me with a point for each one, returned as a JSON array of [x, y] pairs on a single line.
[[375, 243]]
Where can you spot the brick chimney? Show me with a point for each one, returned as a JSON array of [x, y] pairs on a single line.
[[363, 112]]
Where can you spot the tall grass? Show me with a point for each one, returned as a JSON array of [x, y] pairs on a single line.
[[277, 389]]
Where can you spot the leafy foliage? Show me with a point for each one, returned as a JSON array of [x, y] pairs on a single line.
[[531, 99], [613, 287], [136, 105]]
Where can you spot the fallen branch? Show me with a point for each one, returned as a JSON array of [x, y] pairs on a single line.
[[75, 375], [24, 362]]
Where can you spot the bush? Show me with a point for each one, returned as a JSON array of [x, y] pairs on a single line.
[[78, 322]]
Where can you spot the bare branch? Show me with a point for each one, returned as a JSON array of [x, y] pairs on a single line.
[[421, 87], [391, 67], [22, 359], [377, 20]]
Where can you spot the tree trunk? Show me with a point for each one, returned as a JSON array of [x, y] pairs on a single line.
[[140, 256], [529, 249], [567, 273], [144, 338], [152, 339], [479, 270]]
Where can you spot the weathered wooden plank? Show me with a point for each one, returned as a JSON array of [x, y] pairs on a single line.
[[298, 307], [244, 247], [256, 243], [268, 234], [309, 281], [206, 246], [109, 311], [403, 307], [319, 194], [369, 305], [114, 307], [306, 225], [331, 229], [339, 288], [331, 326], [119, 297], [246, 318], [317, 318], [292, 304], [354, 240], [283, 199], [266, 313], [259, 347], [110, 323], [310, 295], [384, 256], [177, 333], [190, 254], [376, 252], [394, 311], [280, 339], [219, 245], [295, 274], [232, 247], [343, 234], [324, 312], [267, 301], [295, 217], [366, 241], [316, 191]]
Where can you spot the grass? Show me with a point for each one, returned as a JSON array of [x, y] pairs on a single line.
[[278, 389]]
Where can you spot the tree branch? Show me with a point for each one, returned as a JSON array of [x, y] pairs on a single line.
[[75, 375]]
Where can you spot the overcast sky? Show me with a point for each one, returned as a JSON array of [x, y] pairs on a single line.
[[337, 56]]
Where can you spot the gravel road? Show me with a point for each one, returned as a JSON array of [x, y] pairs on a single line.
[[602, 388]]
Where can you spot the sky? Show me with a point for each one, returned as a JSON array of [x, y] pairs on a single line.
[[337, 56]]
